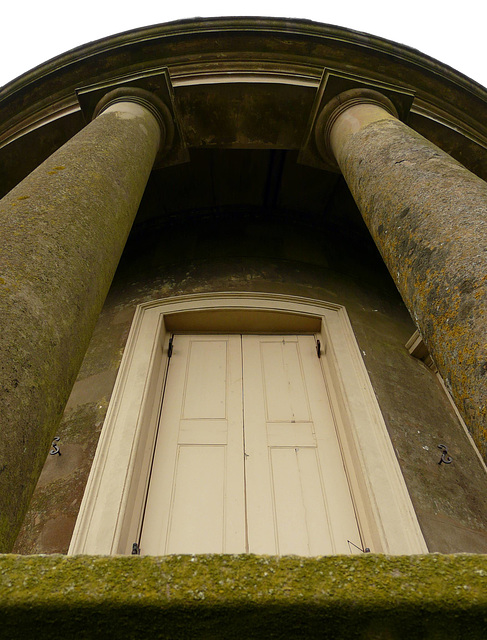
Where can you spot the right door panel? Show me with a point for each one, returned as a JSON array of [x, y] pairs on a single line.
[[298, 495]]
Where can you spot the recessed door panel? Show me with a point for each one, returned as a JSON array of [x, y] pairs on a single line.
[[282, 379], [198, 500], [301, 518], [205, 391]]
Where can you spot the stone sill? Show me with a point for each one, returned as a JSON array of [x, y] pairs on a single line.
[[367, 596]]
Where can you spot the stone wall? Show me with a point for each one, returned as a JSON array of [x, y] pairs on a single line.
[[248, 252]]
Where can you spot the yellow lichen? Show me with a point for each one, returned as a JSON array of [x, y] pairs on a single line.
[[56, 169]]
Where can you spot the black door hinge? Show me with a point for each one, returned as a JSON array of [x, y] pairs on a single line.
[[169, 349]]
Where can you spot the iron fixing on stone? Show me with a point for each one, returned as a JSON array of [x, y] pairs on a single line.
[[444, 455], [55, 449]]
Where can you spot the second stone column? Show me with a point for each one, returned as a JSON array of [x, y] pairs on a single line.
[[428, 216]]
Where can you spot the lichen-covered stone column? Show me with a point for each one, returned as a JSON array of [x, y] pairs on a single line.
[[63, 231], [428, 216]]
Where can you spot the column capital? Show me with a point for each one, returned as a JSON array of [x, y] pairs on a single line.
[[145, 99], [152, 90], [336, 107]]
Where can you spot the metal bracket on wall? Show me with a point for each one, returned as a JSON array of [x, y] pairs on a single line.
[[55, 449], [444, 455]]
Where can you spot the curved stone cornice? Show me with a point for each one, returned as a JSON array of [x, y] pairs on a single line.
[[189, 28], [259, 53]]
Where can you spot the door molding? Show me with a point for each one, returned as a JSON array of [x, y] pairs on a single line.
[[112, 505]]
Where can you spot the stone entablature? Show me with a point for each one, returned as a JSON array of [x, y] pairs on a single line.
[[270, 66]]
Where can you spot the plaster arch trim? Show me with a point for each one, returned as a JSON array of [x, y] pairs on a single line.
[[111, 511]]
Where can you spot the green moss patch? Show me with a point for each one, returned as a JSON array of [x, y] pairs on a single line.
[[368, 596]]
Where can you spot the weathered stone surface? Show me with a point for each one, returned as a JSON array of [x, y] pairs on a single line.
[[428, 216], [200, 597], [63, 231]]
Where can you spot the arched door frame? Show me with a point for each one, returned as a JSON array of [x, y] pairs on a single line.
[[111, 509]]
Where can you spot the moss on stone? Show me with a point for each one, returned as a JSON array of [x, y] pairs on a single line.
[[249, 596]]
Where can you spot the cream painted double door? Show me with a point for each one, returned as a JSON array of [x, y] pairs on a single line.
[[247, 458]]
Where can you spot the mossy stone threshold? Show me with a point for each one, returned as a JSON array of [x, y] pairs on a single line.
[[223, 596]]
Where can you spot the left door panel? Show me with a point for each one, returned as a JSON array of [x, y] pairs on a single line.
[[196, 497]]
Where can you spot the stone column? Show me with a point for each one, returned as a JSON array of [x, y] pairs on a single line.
[[63, 231], [428, 216]]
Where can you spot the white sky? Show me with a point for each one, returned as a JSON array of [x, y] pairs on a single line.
[[452, 32]]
